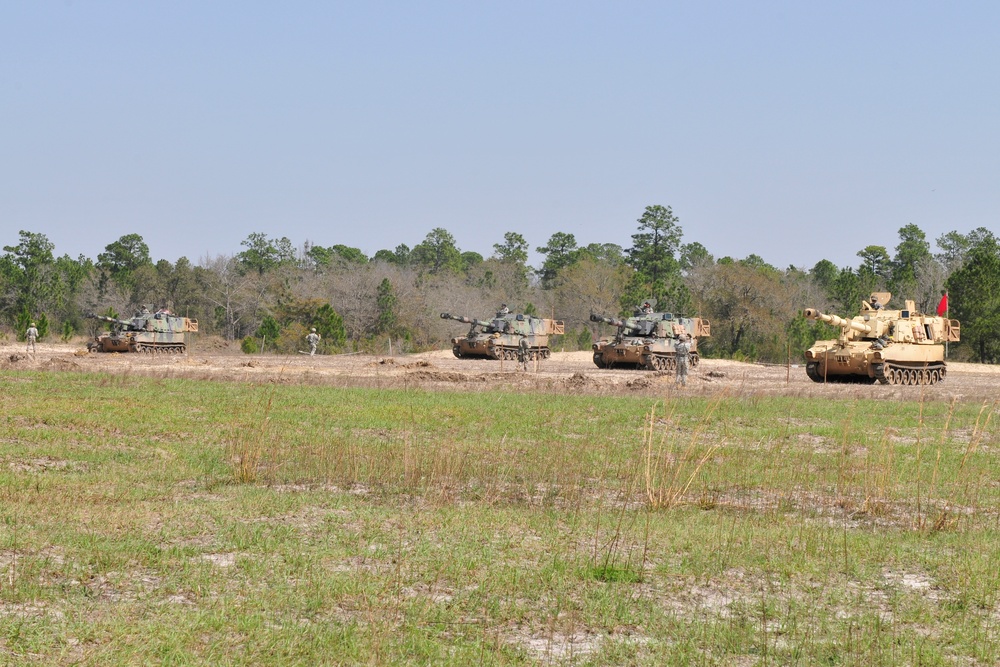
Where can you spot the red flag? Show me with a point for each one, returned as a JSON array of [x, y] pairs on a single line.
[[943, 305]]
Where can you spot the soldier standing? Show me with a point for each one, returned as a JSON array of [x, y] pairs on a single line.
[[646, 308], [504, 310], [682, 354], [313, 340], [522, 353], [31, 334]]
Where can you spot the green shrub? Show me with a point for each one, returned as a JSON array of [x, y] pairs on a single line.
[[268, 331], [68, 331]]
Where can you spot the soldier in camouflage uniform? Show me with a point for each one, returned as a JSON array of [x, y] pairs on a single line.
[[313, 340], [682, 354], [31, 334], [522, 353]]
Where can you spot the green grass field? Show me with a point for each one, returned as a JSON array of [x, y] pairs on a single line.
[[183, 522]]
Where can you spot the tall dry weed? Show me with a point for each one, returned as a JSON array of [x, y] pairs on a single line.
[[671, 469], [250, 447]]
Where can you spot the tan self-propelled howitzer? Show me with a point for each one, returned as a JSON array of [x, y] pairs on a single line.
[[145, 332], [647, 340], [500, 337], [890, 346]]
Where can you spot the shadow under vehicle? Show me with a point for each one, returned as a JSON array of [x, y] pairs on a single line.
[[890, 346], [146, 332], [500, 337], [646, 340]]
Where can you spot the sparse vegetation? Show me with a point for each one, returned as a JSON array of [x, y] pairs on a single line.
[[149, 520]]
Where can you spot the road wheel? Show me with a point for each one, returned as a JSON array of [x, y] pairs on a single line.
[[457, 351]]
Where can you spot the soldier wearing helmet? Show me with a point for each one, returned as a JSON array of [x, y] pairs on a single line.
[[682, 355], [523, 353], [31, 334], [313, 340]]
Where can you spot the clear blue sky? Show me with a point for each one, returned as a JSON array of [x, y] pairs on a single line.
[[794, 130]]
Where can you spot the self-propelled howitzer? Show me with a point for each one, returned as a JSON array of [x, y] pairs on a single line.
[[881, 344], [145, 332], [646, 340], [500, 337]]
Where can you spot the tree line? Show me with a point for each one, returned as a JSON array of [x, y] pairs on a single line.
[[269, 293]]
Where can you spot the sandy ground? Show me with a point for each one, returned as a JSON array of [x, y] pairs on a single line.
[[574, 372]]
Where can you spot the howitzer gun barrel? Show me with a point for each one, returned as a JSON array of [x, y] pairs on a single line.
[[607, 320], [105, 318], [834, 320], [462, 318]]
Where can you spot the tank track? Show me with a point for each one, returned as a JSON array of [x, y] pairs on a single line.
[[667, 362], [161, 348], [510, 353], [812, 370], [886, 373], [890, 373]]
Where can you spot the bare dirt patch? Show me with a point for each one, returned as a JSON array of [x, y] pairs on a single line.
[[213, 359]]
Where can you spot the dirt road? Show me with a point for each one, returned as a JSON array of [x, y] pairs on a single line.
[[564, 372]]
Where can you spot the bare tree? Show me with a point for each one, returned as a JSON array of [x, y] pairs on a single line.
[[930, 277], [239, 294], [589, 286]]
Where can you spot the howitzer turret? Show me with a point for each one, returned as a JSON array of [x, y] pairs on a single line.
[[882, 344], [646, 340], [500, 337], [145, 332]]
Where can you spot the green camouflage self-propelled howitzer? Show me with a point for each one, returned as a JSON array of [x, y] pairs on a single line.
[[646, 340], [145, 332], [890, 346], [500, 337]]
